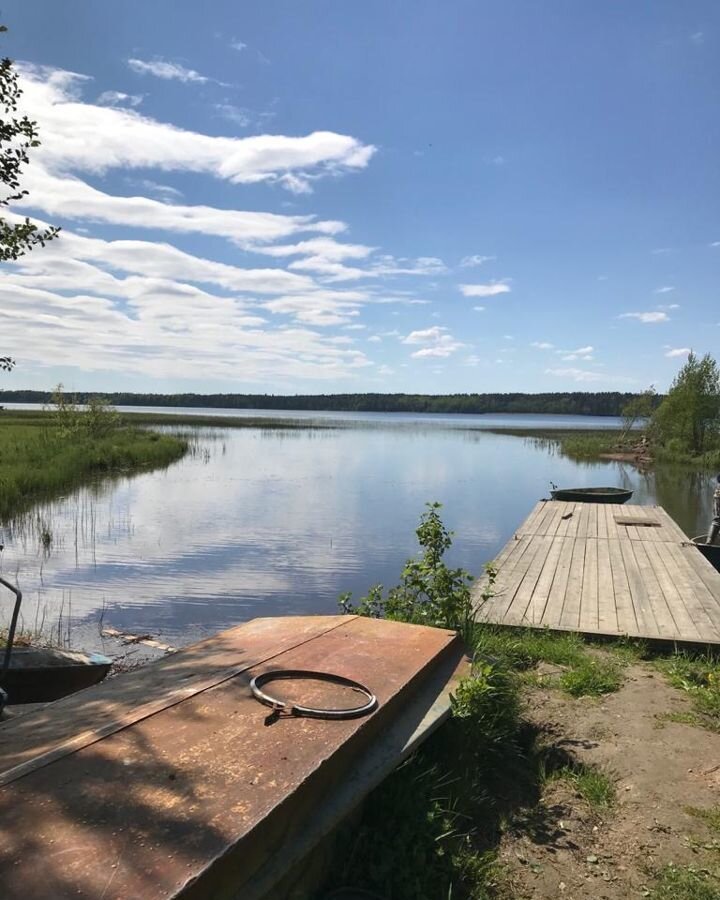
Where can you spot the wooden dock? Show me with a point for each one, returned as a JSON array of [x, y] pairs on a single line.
[[605, 569]]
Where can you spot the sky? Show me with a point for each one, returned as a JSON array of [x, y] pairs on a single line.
[[315, 196]]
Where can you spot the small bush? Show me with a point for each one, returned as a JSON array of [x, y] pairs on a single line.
[[429, 593]]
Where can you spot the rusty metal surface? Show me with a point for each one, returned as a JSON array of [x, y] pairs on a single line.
[[127, 695], [196, 798]]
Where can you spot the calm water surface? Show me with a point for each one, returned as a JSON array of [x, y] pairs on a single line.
[[265, 522]]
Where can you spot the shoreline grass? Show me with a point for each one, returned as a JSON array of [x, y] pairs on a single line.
[[38, 461]]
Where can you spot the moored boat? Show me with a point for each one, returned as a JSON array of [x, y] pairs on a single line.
[[42, 674], [592, 495], [711, 552]]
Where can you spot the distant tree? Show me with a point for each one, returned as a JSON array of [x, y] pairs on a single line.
[[639, 408], [689, 416], [18, 135]]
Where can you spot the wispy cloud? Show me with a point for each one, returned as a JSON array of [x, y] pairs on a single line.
[[470, 262], [238, 45], [583, 353], [479, 308], [436, 342], [715, 244], [118, 98], [664, 290], [587, 375], [661, 251], [678, 351], [167, 70], [648, 318], [542, 345], [484, 290]]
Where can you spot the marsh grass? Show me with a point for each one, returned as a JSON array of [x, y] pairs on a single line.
[[38, 460]]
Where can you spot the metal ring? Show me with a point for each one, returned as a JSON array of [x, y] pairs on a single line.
[[353, 712]]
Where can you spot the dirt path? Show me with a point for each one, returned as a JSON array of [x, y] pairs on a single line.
[[563, 849]]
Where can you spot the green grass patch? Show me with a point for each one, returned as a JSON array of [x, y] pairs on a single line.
[[595, 787], [38, 460], [698, 675], [523, 648], [592, 678], [685, 883], [711, 816]]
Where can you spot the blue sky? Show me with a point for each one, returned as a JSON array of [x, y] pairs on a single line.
[[324, 196]]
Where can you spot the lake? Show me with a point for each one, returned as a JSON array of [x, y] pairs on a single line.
[[265, 521]]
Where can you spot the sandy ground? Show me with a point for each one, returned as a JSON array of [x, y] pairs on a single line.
[[562, 849]]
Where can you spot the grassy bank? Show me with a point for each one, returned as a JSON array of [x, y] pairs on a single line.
[[39, 460], [39, 417], [581, 444]]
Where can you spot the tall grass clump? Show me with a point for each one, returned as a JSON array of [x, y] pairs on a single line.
[[48, 455]]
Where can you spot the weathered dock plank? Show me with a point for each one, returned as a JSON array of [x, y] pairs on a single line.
[[605, 569]]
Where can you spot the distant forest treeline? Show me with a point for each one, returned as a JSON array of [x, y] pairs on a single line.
[[579, 403]]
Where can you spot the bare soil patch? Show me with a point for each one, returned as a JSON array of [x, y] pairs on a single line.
[[562, 848]]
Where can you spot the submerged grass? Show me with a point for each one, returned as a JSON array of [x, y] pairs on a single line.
[[38, 460]]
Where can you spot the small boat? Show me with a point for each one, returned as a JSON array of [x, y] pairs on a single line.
[[42, 674], [711, 552], [708, 544], [592, 495]]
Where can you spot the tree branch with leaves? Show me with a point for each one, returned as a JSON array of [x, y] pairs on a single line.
[[18, 136]]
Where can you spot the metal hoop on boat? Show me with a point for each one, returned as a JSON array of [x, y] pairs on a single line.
[[311, 712]]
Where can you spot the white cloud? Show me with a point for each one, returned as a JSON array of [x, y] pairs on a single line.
[[661, 251], [647, 317], [238, 45], [678, 351], [72, 198], [169, 71], [80, 136], [670, 306], [586, 375], [715, 244], [664, 290], [118, 98], [479, 308], [542, 345], [484, 290], [235, 114], [165, 191], [475, 260], [375, 339], [436, 341]]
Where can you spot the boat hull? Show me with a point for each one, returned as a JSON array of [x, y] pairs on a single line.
[[592, 495], [39, 675], [711, 552]]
